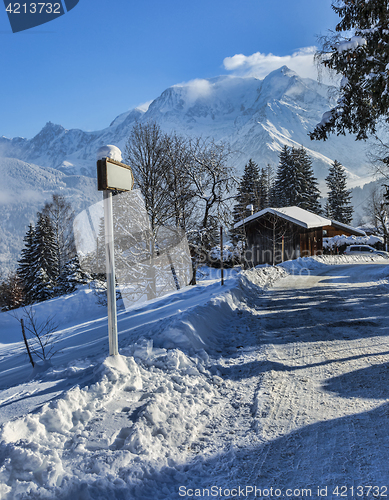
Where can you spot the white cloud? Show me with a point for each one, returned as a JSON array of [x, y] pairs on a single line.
[[196, 88], [260, 65], [144, 106]]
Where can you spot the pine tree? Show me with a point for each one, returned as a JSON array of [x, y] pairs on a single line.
[[49, 247], [359, 52], [45, 267], [25, 267], [338, 205], [71, 276], [61, 216], [265, 182], [281, 194], [295, 183], [308, 197], [11, 293], [251, 191]]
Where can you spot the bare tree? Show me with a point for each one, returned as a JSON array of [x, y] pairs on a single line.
[[178, 161], [212, 179], [40, 337], [376, 210], [213, 183], [145, 153], [378, 153], [185, 183]]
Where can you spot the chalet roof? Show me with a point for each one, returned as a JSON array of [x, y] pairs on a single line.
[[350, 229], [301, 217], [296, 215]]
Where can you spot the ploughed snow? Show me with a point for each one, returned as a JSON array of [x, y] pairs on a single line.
[[277, 379], [340, 240]]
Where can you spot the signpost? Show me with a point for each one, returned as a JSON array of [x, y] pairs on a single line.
[[114, 175], [111, 175]]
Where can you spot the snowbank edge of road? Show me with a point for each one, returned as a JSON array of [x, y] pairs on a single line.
[[322, 261]]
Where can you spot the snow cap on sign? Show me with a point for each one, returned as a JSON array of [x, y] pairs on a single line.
[[109, 151]]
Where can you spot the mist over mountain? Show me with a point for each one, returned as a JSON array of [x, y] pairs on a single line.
[[256, 117]]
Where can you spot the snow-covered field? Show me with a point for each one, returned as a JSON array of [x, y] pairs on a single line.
[[276, 381]]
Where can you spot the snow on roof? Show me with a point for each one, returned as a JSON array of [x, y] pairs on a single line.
[[302, 218], [296, 215], [340, 225]]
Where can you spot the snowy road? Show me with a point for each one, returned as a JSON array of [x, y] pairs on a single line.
[[308, 404], [289, 395]]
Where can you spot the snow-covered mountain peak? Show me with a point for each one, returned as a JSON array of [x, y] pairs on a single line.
[[286, 83], [210, 100], [283, 71], [229, 98], [49, 133], [129, 116]]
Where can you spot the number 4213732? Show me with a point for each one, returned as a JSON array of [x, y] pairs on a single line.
[[34, 8]]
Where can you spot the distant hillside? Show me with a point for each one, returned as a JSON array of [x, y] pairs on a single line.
[[24, 188]]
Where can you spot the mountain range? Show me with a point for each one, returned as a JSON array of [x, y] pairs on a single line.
[[256, 117]]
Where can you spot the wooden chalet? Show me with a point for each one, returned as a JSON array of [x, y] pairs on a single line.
[[274, 235]]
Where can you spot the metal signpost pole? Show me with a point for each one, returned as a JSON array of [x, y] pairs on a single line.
[[112, 174], [110, 269]]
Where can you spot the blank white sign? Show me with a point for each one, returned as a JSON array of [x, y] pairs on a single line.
[[119, 177]]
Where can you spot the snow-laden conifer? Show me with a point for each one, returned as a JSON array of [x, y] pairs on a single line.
[[338, 205], [25, 265], [359, 52], [308, 193], [45, 265], [248, 192], [281, 195], [71, 277], [253, 192], [295, 183]]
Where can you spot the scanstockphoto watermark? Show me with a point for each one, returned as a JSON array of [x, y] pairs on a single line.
[[29, 14], [328, 491], [244, 492]]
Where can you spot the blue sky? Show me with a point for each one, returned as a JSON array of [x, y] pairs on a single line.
[[105, 57]]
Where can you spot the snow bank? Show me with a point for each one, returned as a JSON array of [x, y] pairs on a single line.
[[349, 259], [302, 265], [136, 427], [204, 326], [262, 276], [67, 310], [46, 452], [338, 241]]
